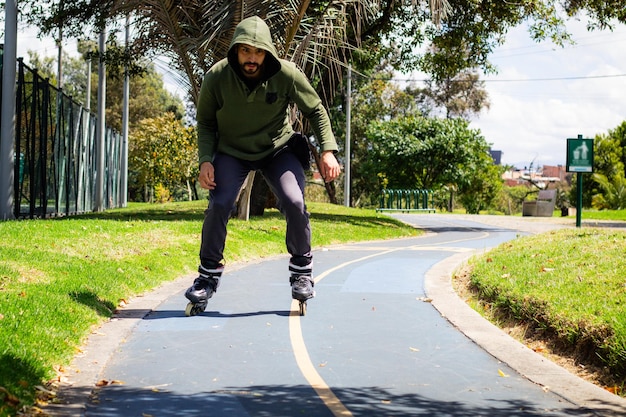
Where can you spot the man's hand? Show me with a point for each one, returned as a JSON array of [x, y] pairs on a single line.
[[206, 178], [329, 166]]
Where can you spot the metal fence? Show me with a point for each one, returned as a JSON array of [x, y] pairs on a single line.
[[56, 153], [406, 200]]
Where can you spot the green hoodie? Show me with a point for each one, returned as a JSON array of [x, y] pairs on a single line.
[[252, 124]]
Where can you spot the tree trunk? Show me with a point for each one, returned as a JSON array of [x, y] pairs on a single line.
[[243, 200]]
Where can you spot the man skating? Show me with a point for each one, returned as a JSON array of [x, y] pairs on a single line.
[[244, 125]]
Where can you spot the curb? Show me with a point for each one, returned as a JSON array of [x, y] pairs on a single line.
[[531, 365]]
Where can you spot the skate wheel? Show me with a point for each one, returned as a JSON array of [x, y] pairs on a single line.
[[303, 308], [194, 309]]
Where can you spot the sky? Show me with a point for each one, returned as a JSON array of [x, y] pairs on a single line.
[[544, 94], [541, 95]]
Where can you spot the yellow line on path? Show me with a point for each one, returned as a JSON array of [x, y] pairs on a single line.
[[301, 353], [308, 369]]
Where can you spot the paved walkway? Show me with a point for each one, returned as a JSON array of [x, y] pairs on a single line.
[[385, 336]]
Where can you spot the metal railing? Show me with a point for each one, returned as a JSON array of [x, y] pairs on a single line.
[[56, 152], [406, 200]]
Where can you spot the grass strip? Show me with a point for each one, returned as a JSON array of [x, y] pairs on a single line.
[[569, 283]]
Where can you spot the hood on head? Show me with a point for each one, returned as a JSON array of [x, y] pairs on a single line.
[[255, 32]]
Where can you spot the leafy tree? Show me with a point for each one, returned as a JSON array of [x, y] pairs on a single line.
[[478, 191], [619, 135], [148, 99], [74, 70], [162, 156], [510, 199], [609, 163], [428, 153], [374, 99], [613, 196], [462, 96]]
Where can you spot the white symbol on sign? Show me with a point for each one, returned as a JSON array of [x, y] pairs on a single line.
[[581, 152]]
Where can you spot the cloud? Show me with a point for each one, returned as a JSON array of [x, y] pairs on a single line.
[[530, 120]]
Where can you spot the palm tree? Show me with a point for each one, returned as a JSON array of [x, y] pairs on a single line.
[[614, 192], [317, 35]]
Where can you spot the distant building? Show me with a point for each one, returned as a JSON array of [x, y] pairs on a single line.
[[541, 177], [555, 173], [497, 156]]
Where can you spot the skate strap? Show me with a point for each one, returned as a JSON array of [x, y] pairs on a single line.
[[301, 270], [210, 272]]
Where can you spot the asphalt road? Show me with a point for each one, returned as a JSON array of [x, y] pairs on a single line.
[[385, 336]]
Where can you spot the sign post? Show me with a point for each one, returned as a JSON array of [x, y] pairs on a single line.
[[579, 160]]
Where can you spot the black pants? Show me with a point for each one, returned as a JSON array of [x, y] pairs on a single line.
[[286, 178]]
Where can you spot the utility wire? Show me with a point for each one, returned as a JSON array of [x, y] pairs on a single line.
[[512, 80]]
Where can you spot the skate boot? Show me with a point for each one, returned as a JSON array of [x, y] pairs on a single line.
[[301, 284], [302, 290], [302, 287], [202, 289]]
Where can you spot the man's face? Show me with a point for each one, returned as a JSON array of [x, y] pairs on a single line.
[[250, 60]]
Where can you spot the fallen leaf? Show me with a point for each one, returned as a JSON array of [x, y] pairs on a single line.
[[45, 391], [502, 374], [412, 349]]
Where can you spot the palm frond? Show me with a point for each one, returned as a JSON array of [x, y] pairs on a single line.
[[195, 34]]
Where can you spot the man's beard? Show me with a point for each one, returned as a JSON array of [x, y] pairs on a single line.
[[251, 69]]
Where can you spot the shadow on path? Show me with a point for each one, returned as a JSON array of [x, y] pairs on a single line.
[[289, 401]]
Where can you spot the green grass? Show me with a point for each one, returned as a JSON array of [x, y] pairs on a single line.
[[589, 214], [570, 283], [60, 278]]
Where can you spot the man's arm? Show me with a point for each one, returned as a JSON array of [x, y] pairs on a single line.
[[207, 123]]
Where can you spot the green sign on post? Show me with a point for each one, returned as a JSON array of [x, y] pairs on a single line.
[[579, 160], [579, 155]]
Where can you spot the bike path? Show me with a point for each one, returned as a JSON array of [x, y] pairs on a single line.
[[371, 344]]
